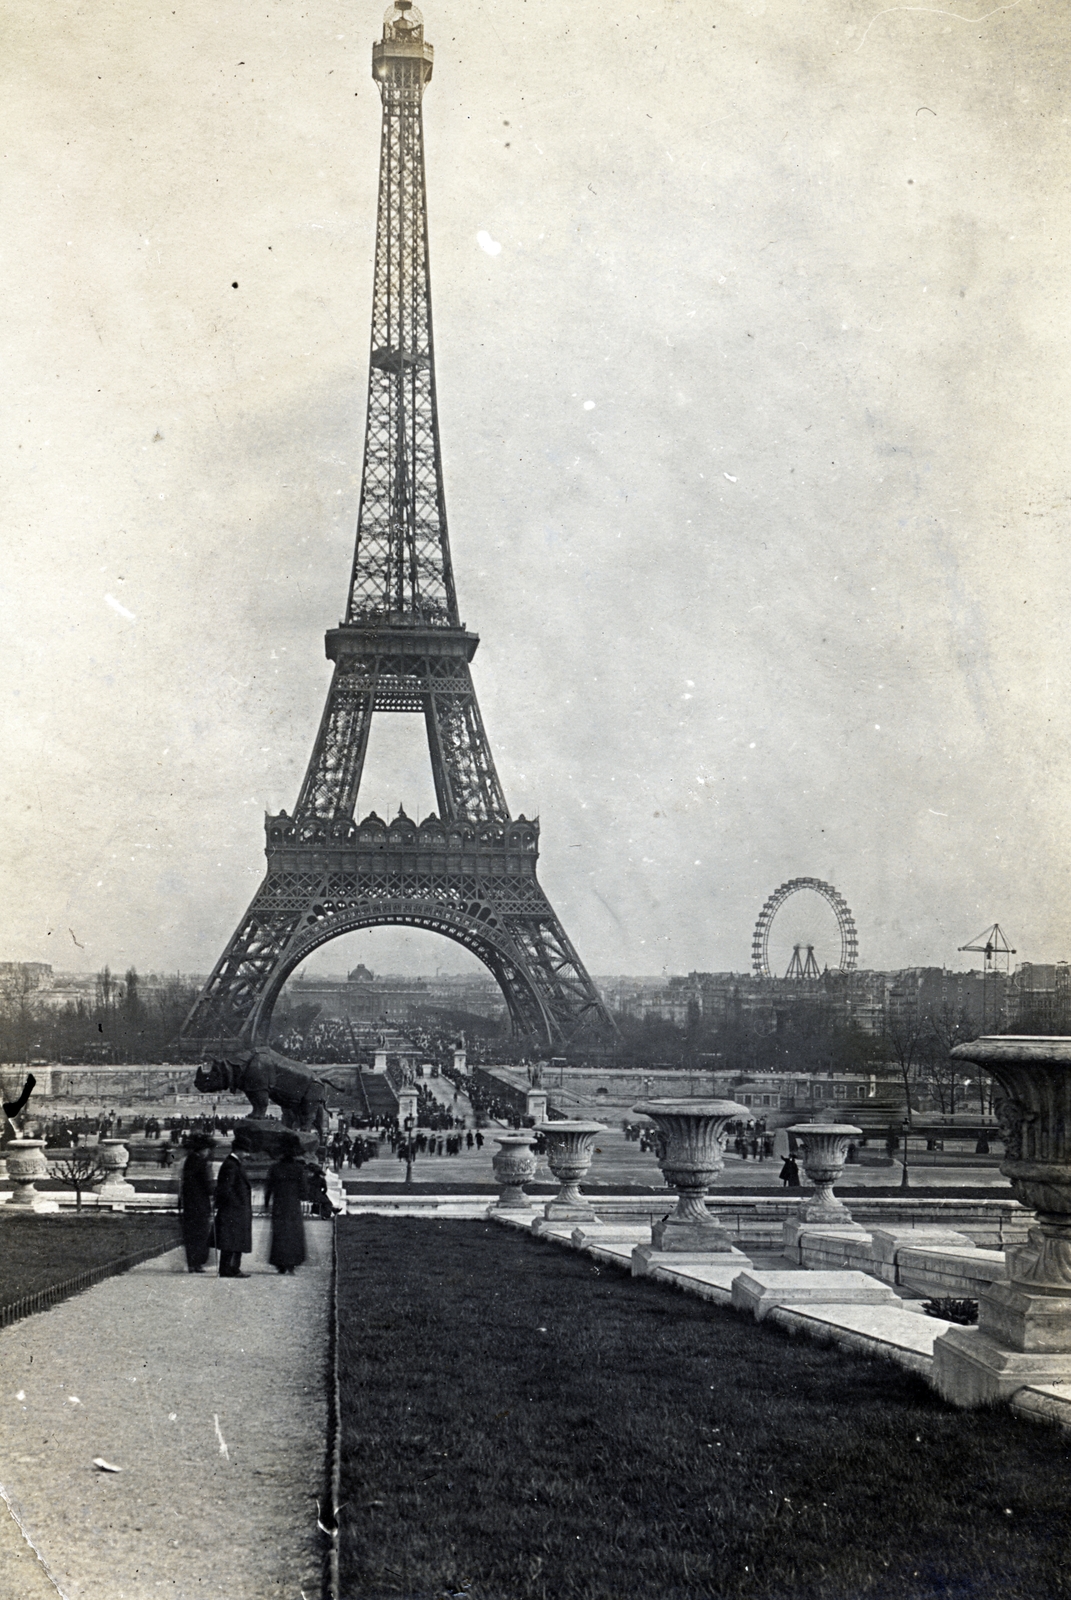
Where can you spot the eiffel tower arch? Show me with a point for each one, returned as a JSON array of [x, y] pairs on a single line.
[[469, 870]]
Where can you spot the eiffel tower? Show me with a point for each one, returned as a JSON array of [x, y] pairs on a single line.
[[469, 871]]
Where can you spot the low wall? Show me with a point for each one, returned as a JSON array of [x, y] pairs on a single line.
[[939, 1270], [989, 1224]]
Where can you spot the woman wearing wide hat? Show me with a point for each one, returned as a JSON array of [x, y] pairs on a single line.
[[283, 1193]]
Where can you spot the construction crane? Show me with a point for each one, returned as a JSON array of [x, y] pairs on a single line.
[[993, 944]]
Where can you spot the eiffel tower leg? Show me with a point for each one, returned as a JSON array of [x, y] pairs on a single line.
[[466, 783], [228, 1004], [334, 772], [571, 1000]]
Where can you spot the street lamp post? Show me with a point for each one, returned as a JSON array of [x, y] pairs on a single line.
[[408, 1152]]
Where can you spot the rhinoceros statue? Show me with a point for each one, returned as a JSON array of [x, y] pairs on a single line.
[[263, 1075]]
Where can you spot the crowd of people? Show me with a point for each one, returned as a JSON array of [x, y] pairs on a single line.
[[431, 1113], [69, 1132], [487, 1106]]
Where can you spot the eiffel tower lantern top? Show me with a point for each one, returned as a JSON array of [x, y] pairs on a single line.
[[401, 567]]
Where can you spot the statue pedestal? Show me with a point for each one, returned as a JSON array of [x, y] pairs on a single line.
[[724, 1263], [794, 1230], [683, 1236], [113, 1189], [535, 1105], [1023, 1335], [971, 1369], [267, 1139]]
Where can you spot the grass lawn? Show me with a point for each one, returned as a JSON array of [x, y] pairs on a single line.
[[39, 1251], [393, 1180], [519, 1424]]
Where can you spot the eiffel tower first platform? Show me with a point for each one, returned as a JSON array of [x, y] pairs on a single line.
[[469, 871]]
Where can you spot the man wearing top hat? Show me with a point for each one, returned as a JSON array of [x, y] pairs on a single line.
[[234, 1211]]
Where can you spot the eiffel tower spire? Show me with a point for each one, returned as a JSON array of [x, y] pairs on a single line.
[[469, 871], [401, 567]]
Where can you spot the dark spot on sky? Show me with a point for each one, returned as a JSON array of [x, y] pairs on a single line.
[[234, 286]]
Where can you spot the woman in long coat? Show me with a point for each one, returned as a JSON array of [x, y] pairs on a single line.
[[196, 1202], [283, 1193]]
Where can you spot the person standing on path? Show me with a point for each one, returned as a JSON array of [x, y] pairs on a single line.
[[790, 1174], [283, 1194], [195, 1201], [234, 1213]]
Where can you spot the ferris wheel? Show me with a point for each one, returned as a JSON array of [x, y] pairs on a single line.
[[760, 939]]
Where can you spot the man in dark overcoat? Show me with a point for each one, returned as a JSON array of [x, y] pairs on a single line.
[[234, 1213], [195, 1200]]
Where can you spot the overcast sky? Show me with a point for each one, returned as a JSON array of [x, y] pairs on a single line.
[[751, 328]]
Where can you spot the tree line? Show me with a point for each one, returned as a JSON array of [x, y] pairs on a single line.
[[128, 1019]]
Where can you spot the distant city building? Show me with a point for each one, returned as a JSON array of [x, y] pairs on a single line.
[[363, 996], [25, 976], [871, 1000]]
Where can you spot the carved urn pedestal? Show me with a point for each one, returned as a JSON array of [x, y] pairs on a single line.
[[691, 1151], [113, 1189], [1024, 1323], [570, 1146], [515, 1165], [25, 1164], [825, 1151]]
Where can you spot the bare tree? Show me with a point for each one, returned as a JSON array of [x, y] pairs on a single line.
[[79, 1168], [947, 1026], [906, 1035]]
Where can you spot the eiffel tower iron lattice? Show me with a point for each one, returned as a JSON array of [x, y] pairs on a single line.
[[467, 872]]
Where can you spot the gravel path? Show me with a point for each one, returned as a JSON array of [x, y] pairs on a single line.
[[209, 1393]]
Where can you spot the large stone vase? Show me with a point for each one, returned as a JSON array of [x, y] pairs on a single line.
[[25, 1164], [515, 1165], [113, 1189], [825, 1151], [691, 1152], [1024, 1323], [570, 1146]]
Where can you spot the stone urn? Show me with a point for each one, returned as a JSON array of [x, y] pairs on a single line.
[[1024, 1323], [113, 1188], [570, 1146], [691, 1150], [515, 1164], [25, 1164], [825, 1151]]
